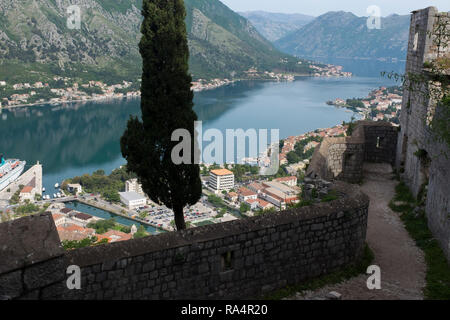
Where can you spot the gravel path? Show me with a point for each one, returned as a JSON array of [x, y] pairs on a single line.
[[402, 264]]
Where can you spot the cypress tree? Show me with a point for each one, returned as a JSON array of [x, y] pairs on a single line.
[[166, 105]]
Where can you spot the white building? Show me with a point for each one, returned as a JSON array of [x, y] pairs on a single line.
[[27, 193], [246, 194], [133, 229], [132, 199], [75, 187], [133, 185], [221, 179], [289, 181]]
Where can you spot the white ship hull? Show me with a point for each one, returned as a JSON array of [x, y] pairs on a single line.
[[11, 176]]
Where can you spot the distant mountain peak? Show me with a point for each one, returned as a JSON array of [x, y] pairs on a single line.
[[343, 34], [274, 26]]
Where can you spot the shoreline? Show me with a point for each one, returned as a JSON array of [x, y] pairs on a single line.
[[54, 104], [50, 103]]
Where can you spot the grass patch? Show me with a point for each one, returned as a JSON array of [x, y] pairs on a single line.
[[331, 196], [335, 277], [438, 271], [203, 223], [402, 193]]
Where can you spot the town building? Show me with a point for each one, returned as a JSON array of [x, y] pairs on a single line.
[[280, 194], [75, 188], [274, 196], [259, 204], [59, 219], [221, 179], [81, 218], [65, 210], [290, 181], [246, 194], [27, 193], [133, 185], [264, 205], [132, 199], [116, 236], [73, 232], [255, 187], [253, 203], [232, 196]]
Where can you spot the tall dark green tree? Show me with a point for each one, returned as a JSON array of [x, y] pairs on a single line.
[[167, 105]]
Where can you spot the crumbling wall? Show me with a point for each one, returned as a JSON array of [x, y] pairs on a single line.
[[239, 259], [342, 158]]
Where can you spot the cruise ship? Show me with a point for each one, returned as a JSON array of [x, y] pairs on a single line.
[[10, 170]]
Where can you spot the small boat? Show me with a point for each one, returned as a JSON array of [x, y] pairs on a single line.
[[43, 189], [56, 185], [54, 195]]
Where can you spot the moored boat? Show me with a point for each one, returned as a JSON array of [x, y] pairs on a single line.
[[10, 170]]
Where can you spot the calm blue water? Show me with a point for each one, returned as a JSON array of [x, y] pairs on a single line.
[[79, 138], [107, 215]]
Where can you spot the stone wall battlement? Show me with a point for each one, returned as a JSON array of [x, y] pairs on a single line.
[[239, 259], [342, 158]]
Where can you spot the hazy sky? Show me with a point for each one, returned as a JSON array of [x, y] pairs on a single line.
[[318, 7]]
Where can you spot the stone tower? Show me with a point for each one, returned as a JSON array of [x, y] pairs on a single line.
[[424, 160]]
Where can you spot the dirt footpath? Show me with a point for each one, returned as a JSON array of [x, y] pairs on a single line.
[[402, 264]]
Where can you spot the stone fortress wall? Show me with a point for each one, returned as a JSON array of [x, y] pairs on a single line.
[[421, 158], [239, 259], [342, 158], [433, 168]]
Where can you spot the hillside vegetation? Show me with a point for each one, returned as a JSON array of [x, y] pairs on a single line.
[[36, 44]]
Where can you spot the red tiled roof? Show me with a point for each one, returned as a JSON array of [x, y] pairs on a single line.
[[27, 189], [65, 210], [246, 192], [286, 178], [221, 172]]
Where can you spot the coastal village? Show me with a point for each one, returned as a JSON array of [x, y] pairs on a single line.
[[382, 104], [225, 197], [65, 89]]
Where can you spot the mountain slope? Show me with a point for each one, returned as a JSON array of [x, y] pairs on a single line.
[[35, 40], [344, 35], [274, 26], [223, 43], [36, 44]]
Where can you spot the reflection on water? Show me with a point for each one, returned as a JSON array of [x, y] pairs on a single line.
[[78, 138]]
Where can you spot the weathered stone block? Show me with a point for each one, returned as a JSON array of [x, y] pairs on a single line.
[[44, 273], [11, 284]]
